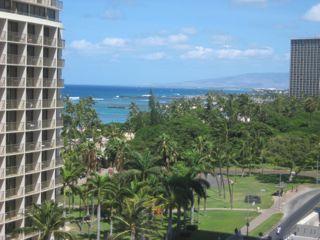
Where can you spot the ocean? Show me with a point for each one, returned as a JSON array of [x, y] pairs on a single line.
[[112, 103]]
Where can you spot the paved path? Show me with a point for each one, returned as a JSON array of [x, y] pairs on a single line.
[[277, 207]]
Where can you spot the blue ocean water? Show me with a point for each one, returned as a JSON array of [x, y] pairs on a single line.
[[112, 103]]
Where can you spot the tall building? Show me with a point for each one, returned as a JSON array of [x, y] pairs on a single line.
[[305, 68], [30, 109]]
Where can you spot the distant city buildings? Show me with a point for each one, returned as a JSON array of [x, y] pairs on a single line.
[[305, 68]]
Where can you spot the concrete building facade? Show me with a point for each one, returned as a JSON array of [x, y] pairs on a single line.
[[305, 68], [31, 65]]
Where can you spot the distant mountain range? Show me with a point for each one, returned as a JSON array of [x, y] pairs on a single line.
[[249, 80]]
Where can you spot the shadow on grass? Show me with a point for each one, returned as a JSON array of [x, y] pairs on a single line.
[[208, 235], [274, 178]]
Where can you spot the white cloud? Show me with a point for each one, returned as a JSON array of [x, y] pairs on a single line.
[[198, 52], [231, 53], [155, 56], [178, 38], [152, 41], [82, 45], [221, 39], [114, 42], [189, 30], [313, 14], [112, 14]]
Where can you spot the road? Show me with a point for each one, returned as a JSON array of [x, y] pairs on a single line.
[[295, 210]]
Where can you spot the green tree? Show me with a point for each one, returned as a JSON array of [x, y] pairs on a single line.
[[48, 220], [310, 106], [99, 187]]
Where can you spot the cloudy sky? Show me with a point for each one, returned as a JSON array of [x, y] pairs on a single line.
[[141, 42]]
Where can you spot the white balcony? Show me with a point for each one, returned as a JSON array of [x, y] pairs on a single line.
[[16, 82], [33, 103], [50, 103], [14, 104], [14, 170], [33, 146], [34, 82], [15, 148], [49, 82], [16, 37], [14, 193], [48, 144], [15, 126], [34, 61], [33, 39], [48, 123], [34, 167], [33, 125], [16, 59]]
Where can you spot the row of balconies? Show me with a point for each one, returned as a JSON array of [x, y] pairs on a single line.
[[30, 147], [14, 59], [30, 125], [20, 82], [29, 189], [30, 168], [47, 3], [30, 104], [32, 39]]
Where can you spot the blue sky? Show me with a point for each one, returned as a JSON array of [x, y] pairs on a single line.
[[142, 42]]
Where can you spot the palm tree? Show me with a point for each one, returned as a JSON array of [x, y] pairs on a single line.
[[310, 106], [117, 151], [135, 220], [99, 186], [142, 165], [70, 174], [167, 150], [48, 220]]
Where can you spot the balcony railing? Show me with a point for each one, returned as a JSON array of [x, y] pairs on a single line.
[[48, 144], [61, 63], [33, 103], [15, 214], [3, 36], [2, 151], [15, 148], [49, 82], [48, 123], [47, 184], [59, 143], [59, 103], [34, 39], [33, 125], [15, 104], [2, 128], [32, 188], [32, 167], [3, 59], [2, 104], [2, 172], [14, 192], [33, 146], [59, 180], [2, 217], [34, 61], [49, 62], [16, 37], [15, 126], [60, 83], [59, 123], [48, 3], [48, 41], [59, 161], [16, 82], [14, 170], [47, 164], [48, 103], [33, 82], [61, 43], [2, 82], [16, 59]]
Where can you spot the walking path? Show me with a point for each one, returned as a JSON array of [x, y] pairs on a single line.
[[277, 207]]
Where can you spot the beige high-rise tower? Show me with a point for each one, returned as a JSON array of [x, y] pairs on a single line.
[[30, 109]]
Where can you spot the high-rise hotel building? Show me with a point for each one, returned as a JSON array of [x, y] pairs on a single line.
[[30, 109], [305, 68]]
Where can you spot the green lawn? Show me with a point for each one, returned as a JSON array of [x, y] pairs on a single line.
[[267, 225], [260, 185], [242, 187], [224, 221], [215, 224]]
